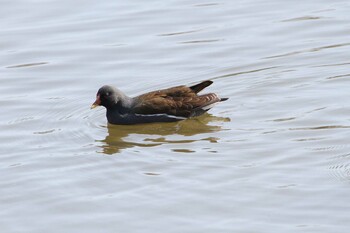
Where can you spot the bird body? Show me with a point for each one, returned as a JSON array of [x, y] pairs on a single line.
[[166, 105]]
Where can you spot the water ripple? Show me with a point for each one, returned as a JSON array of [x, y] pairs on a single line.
[[308, 50], [341, 167], [302, 18], [27, 65], [179, 33]]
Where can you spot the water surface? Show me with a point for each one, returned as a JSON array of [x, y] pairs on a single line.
[[273, 158]]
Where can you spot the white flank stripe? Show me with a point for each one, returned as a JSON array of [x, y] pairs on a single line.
[[165, 115], [209, 106]]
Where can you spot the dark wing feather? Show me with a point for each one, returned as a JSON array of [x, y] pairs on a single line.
[[200, 86]]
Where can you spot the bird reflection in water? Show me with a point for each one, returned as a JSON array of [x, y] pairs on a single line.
[[154, 134]]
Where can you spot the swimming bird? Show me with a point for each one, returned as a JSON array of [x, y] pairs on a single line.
[[166, 105]]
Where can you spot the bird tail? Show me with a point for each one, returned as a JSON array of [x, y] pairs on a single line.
[[200, 86]]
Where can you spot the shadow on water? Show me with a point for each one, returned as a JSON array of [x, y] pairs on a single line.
[[120, 136]]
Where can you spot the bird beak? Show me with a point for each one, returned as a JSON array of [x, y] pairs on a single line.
[[97, 102]]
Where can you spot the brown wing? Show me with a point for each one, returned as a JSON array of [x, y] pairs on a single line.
[[178, 101]]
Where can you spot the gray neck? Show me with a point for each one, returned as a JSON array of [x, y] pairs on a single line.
[[122, 106], [125, 102]]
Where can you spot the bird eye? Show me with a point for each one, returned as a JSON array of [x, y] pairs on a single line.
[[107, 93]]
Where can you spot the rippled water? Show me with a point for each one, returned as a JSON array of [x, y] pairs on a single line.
[[275, 157]]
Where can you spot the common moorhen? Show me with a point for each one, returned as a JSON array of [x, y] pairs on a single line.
[[166, 105]]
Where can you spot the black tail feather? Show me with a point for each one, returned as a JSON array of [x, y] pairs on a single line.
[[200, 86]]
